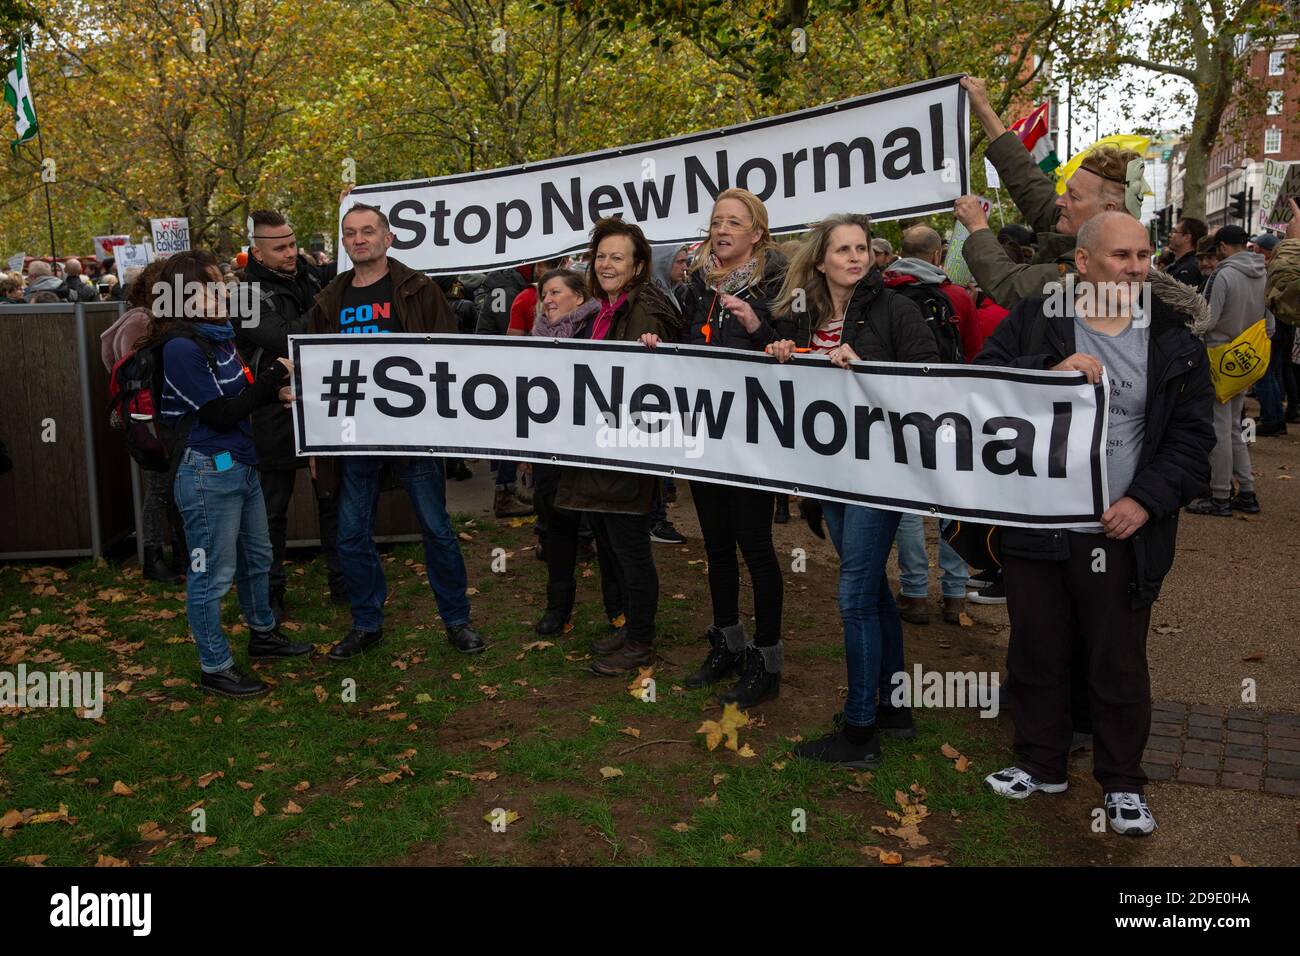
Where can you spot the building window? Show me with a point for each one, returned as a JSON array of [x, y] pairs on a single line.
[[1274, 102], [1273, 140], [1275, 62]]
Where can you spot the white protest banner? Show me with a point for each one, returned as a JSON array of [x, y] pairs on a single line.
[[902, 152], [1010, 446], [106, 246], [1281, 179], [955, 263], [130, 256], [170, 236], [15, 262]]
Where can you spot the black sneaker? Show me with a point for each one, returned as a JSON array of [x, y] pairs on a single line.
[[756, 683], [1214, 507], [718, 664], [995, 593], [1245, 502], [895, 721], [664, 533], [465, 639], [836, 748], [354, 643], [232, 683], [274, 644]]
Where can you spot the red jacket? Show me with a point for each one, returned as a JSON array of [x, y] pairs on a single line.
[[963, 306], [987, 316]]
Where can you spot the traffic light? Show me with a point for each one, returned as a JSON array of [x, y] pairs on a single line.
[[1239, 205], [1163, 224]]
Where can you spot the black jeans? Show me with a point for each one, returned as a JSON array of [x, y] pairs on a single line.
[[560, 531], [626, 539], [1063, 612], [731, 518], [277, 489]]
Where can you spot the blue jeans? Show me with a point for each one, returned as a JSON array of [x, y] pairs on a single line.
[[873, 631], [1269, 392], [358, 498], [225, 521], [914, 563]]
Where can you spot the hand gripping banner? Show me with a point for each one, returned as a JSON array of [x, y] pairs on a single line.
[[1008, 446]]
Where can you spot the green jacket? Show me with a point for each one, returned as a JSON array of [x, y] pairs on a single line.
[[1282, 291], [1004, 281], [590, 489]]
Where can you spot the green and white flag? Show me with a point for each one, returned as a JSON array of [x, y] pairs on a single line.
[[18, 96]]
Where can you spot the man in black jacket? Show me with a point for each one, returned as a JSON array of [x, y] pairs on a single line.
[[1086, 593], [1182, 240], [283, 284]]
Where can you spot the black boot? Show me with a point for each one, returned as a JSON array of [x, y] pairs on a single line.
[[760, 677], [895, 721], [465, 639], [355, 642], [559, 608], [726, 653], [857, 747], [231, 683], [156, 569], [274, 644]]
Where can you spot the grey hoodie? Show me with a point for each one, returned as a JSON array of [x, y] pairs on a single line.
[[1236, 297], [46, 284], [922, 270]]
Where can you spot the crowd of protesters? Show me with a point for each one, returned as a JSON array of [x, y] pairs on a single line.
[[1076, 660]]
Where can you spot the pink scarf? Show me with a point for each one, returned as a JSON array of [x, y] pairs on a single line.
[[605, 318]]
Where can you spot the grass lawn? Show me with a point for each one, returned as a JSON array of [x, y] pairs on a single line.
[[398, 757]]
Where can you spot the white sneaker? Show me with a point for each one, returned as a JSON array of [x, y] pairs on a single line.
[[1017, 784], [1129, 814]]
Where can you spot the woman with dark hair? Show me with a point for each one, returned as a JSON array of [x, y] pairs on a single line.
[[630, 308], [567, 311], [732, 284], [834, 302], [117, 343], [207, 396]]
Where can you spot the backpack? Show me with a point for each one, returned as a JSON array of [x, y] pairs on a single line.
[[135, 389], [936, 308]]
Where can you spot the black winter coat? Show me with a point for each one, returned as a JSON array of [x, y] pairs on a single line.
[[1186, 270], [1174, 464], [282, 311], [702, 306], [880, 325]]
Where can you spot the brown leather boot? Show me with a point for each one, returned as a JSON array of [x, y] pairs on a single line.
[[508, 505], [953, 608], [626, 660], [610, 642], [913, 610]]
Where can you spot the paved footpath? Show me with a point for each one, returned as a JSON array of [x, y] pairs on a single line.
[[1238, 749]]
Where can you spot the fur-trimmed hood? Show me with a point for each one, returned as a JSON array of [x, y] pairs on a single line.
[[1181, 298]]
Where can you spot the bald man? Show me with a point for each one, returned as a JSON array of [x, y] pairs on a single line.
[[1085, 593]]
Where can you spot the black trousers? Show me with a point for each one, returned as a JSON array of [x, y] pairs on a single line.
[[277, 490], [626, 539], [1066, 615], [734, 518], [560, 537]]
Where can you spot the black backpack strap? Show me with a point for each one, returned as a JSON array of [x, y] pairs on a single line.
[[174, 436]]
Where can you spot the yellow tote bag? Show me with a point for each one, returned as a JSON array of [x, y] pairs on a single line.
[[1239, 364]]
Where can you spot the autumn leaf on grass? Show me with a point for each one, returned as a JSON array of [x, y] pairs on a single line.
[[630, 731], [390, 777], [752, 855], [121, 789], [640, 685], [258, 809], [608, 772], [33, 860], [321, 693], [207, 778], [423, 699], [291, 807], [1237, 860], [961, 764], [152, 832], [949, 751], [106, 861], [860, 781], [887, 857], [494, 744], [681, 827], [593, 719], [733, 718], [202, 842], [11, 819], [908, 834], [747, 751], [509, 817], [710, 801], [537, 646], [965, 620], [927, 860]]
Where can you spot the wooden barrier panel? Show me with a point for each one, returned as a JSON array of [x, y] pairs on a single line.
[[69, 493], [395, 520]]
